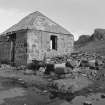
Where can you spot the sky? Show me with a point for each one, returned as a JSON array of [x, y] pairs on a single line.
[[80, 17]]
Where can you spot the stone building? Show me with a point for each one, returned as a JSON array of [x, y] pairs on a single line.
[[34, 37]]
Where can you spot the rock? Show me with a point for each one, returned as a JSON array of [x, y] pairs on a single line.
[[7, 67], [99, 34], [29, 72], [71, 85], [59, 65], [103, 96], [93, 43], [42, 69], [87, 103], [49, 68], [22, 67], [62, 70], [39, 73]]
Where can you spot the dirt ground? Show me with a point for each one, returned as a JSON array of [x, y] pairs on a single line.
[[35, 92], [13, 93]]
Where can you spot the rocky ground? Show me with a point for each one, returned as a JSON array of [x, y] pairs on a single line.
[[81, 86], [94, 43], [19, 89]]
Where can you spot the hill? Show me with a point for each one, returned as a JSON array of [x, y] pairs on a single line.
[[92, 44]]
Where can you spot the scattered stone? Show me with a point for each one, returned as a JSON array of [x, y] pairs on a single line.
[[103, 96], [87, 103], [29, 72]]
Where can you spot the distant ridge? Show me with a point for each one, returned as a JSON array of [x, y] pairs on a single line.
[[93, 44]]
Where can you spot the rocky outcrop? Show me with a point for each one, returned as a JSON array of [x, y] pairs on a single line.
[[83, 39], [93, 43], [99, 34]]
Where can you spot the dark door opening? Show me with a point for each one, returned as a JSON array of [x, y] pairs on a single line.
[[53, 42], [12, 40]]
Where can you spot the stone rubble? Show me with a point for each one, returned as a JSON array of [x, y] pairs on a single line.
[[77, 65], [67, 73]]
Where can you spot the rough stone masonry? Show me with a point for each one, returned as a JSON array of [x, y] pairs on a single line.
[[33, 38]]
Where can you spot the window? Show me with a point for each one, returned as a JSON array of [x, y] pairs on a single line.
[[53, 42]]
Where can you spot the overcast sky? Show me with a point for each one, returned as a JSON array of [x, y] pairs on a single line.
[[77, 16]]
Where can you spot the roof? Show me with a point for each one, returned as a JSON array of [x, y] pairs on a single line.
[[37, 21]]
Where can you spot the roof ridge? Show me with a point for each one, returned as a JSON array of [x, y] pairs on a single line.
[[28, 22]]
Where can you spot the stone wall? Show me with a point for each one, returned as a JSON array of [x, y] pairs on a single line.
[[32, 44], [21, 48], [5, 47], [64, 44], [39, 44]]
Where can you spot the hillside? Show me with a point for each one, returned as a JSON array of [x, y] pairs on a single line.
[[94, 43]]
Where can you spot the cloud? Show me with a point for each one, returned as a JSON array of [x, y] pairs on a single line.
[[9, 17], [78, 16]]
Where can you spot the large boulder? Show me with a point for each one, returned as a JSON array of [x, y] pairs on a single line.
[[71, 85], [99, 34]]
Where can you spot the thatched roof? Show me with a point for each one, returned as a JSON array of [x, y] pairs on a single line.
[[37, 21]]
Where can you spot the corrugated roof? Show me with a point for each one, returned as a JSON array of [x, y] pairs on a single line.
[[37, 21]]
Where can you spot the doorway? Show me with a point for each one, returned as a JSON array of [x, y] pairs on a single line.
[[12, 39], [53, 42]]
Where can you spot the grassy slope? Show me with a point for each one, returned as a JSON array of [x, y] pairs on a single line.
[[94, 46], [94, 43]]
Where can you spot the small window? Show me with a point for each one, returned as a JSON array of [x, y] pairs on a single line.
[[53, 42]]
